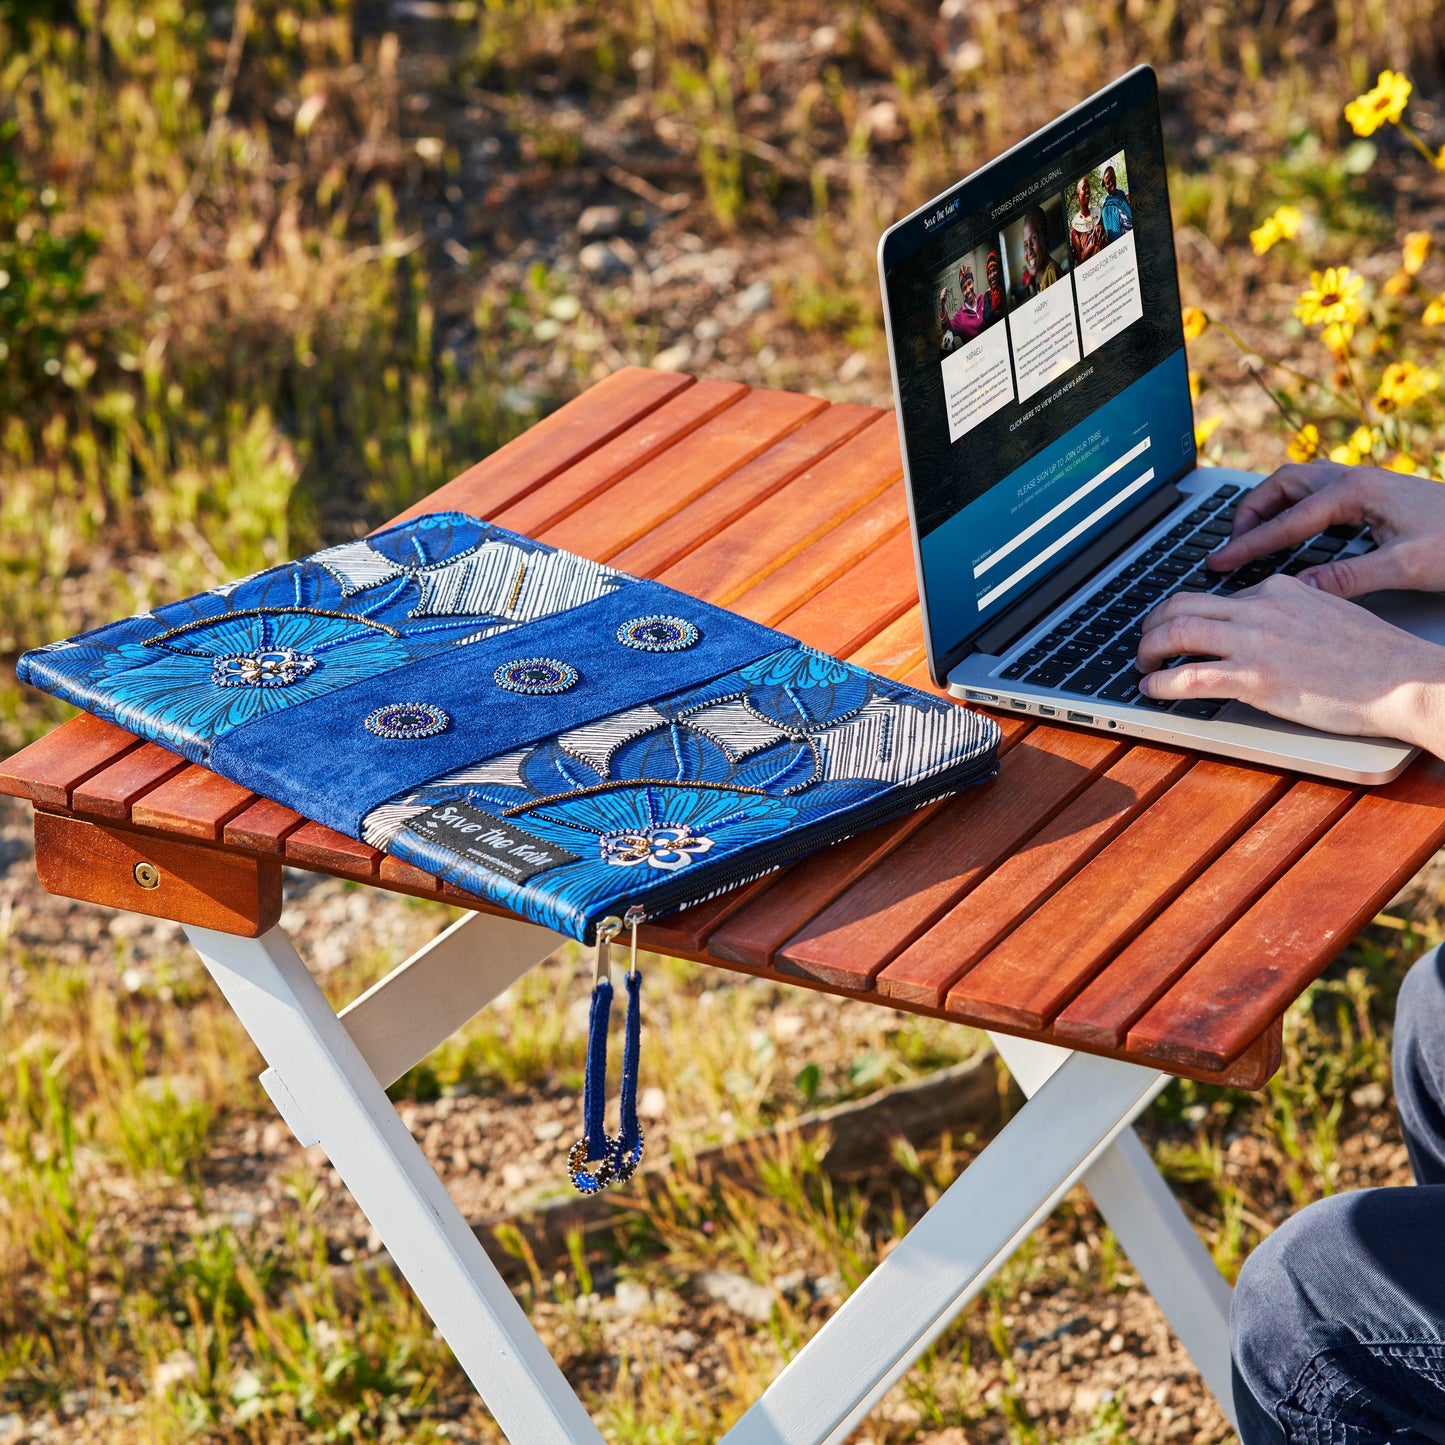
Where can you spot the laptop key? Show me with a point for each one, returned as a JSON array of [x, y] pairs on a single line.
[[1200, 707], [1312, 557], [1124, 688], [1049, 675], [1227, 490], [1192, 554], [1015, 670], [1087, 681], [1326, 543]]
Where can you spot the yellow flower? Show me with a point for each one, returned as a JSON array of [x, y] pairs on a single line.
[[1336, 337], [1399, 284], [1265, 235], [1415, 249], [1195, 323], [1283, 225], [1362, 440], [1195, 386], [1304, 445], [1385, 103], [1435, 312], [1402, 385], [1401, 462], [1333, 295], [1345, 455], [1206, 429]]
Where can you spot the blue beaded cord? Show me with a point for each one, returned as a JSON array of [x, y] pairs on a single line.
[[594, 1083]]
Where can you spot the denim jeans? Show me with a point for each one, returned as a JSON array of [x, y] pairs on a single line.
[[1338, 1320]]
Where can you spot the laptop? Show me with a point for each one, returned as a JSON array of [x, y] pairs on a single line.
[[1054, 489]]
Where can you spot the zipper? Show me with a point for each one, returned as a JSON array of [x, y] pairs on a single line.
[[703, 882]]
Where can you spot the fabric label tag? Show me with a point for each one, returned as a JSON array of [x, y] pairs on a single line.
[[494, 843]]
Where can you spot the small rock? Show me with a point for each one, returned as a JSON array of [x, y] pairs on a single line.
[[565, 308], [825, 39], [514, 1177], [1116, 1344], [600, 221], [758, 297], [792, 1284], [1159, 1395], [853, 367], [743, 1296], [883, 122], [708, 329], [175, 1368], [685, 1342], [548, 1129], [828, 1286], [652, 1104], [675, 358], [12, 1429], [631, 1297], [600, 260], [1368, 1096], [1088, 1398]]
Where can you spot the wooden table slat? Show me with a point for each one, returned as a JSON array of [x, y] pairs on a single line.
[[326, 848], [743, 554], [113, 791], [833, 616], [851, 940], [590, 476], [736, 495], [1062, 943], [553, 444], [663, 487], [263, 827], [1285, 940], [924, 971], [47, 770], [1101, 1014], [194, 801]]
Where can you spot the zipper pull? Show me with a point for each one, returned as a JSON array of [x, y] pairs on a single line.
[[634, 915], [607, 930]]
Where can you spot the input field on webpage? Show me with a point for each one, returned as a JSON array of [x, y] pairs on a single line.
[[1039, 558], [1056, 511]]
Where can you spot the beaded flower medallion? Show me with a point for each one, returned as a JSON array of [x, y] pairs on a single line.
[[407, 720], [658, 633], [265, 667], [535, 675]]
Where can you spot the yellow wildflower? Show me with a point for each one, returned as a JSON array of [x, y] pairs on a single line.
[[1304, 445], [1333, 295], [1402, 462], [1195, 322], [1435, 312], [1336, 337], [1385, 103], [1283, 225], [1399, 284], [1415, 249], [1206, 429], [1265, 235], [1402, 385]]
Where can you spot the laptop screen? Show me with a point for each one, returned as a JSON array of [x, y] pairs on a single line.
[[1038, 353]]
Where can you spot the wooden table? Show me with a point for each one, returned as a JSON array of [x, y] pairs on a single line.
[[1114, 913]]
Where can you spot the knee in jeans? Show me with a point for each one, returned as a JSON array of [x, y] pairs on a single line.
[[1421, 1005]]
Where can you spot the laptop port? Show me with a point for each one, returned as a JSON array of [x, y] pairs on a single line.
[[1078, 717], [973, 695], [1048, 711], [1018, 704]]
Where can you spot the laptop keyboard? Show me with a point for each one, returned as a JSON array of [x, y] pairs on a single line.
[[1092, 651]]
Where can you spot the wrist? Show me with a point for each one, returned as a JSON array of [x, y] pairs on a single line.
[[1417, 711]]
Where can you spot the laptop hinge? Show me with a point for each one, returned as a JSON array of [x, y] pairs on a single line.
[[1019, 618]]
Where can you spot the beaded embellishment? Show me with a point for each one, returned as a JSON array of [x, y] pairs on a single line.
[[658, 633], [536, 675], [407, 720], [265, 667], [668, 846]]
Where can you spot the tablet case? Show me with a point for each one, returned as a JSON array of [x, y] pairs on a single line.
[[554, 735]]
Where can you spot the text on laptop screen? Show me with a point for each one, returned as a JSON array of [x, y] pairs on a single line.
[[1040, 357]]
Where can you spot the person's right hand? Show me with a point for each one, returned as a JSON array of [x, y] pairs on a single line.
[[1405, 514]]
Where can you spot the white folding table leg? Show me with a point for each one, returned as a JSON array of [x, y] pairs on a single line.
[[948, 1256], [301, 1038], [1136, 1203]]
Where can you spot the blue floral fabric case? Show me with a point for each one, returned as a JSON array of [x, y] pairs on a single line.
[[545, 731]]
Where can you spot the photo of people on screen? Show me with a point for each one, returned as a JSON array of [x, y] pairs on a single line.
[[1036, 251], [971, 296], [1099, 209]]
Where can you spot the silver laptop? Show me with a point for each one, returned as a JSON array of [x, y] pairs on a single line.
[[1055, 495]]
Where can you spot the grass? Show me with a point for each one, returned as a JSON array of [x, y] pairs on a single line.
[[270, 276]]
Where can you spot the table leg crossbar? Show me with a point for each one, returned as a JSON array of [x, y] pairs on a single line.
[[327, 1075]]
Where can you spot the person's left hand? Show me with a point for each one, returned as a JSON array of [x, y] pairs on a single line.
[[1301, 654]]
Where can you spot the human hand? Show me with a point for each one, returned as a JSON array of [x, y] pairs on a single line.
[[1405, 514], [1299, 653]]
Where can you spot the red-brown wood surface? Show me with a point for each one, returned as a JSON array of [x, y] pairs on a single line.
[[1130, 900]]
